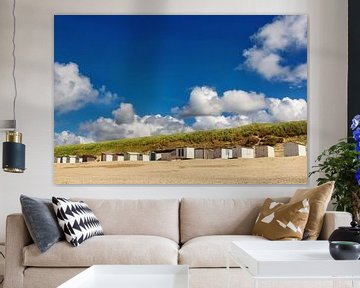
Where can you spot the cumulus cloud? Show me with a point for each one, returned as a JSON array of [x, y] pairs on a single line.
[[126, 124], [284, 32], [205, 101], [124, 114], [67, 138], [286, 109], [239, 101], [73, 91], [232, 109], [237, 107], [271, 42]]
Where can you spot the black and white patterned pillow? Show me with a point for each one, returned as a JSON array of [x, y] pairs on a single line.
[[77, 220]]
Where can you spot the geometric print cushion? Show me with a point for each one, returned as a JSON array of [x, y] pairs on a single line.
[[279, 221], [76, 220]]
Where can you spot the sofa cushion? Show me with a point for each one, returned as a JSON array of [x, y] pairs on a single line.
[[279, 221], [201, 217], [319, 198], [211, 251], [107, 249], [158, 217], [76, 220], [41, 221]]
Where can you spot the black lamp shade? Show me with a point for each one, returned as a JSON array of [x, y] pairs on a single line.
[[13, 157]]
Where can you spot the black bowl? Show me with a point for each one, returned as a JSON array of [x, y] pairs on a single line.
[[344, 250]]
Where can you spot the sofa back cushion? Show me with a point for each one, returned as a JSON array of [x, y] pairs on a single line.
[[201, 217], [159, 217]]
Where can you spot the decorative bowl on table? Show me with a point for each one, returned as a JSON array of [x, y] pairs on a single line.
[[344, 250]]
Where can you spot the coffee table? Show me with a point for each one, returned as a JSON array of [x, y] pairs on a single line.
[[131, 276], [293, 260]]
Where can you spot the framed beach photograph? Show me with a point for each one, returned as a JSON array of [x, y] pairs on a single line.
[[180, 99]]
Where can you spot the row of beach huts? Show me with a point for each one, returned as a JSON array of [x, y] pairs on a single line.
[[290, 149]]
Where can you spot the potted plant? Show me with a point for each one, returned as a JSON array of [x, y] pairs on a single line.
[[341, 163]]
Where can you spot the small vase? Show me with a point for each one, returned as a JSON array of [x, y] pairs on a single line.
[[343, 250]]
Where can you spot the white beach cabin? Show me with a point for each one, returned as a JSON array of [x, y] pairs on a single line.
[[131, 156], [223, 153], [243, 152], [264, 151], [294, 149], [185, 153]]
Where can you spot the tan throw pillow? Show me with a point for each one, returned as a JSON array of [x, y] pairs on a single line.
[[319, 198], [279, 221]]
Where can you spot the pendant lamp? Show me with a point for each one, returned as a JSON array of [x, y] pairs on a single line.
[[13, 159]]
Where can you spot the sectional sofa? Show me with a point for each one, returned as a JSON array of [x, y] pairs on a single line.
[[194, 232]]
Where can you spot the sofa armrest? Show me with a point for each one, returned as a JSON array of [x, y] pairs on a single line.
[[17, 237], [333, 220]]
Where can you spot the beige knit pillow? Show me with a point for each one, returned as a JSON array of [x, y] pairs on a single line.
[[279, 221], [319, 198]]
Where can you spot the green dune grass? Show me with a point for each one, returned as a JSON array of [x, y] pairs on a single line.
[[248, 135]]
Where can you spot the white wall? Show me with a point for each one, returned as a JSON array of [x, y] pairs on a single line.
[[327, 88]]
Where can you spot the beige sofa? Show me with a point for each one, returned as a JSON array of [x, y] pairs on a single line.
[[194, 232]]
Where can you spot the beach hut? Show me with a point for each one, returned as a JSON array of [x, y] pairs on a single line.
[[185, 153], [88, 158], [243, 152], [144, 157], [223, 153], [57, 160], [294, 149], [155, 156], [107, 157], [131, 156], [65, 159], [203, 153], [264, 151], [168, 155], [118, 157], [73, 159]]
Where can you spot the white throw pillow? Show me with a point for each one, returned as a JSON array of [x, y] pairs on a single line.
[[76, 220]]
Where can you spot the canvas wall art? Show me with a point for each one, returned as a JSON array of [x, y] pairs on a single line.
[[180, 99]]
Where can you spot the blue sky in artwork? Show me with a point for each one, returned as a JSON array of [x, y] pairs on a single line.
[[131, 76]]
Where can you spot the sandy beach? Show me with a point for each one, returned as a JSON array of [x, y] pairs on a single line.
[[278, 170]]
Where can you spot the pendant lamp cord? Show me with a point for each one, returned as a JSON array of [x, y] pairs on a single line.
[[14, 61]]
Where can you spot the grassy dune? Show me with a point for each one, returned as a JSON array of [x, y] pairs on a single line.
[[248, 135]]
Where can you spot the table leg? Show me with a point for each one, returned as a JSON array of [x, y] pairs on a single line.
[[228, 270], [255, 283]]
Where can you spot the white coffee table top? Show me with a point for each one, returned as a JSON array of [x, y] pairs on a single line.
[[291, 259], [131, 276]]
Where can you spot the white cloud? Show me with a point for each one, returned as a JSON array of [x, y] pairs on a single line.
[[124, 114], [205, 101], [73, 91], [106, 97], [126, 124], [286, 109], [239, 101], [67, 138], [235, 108], [271, 41], [283, 33], [238, 107]]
